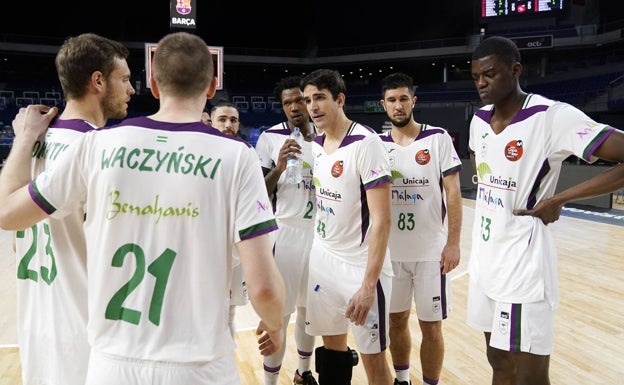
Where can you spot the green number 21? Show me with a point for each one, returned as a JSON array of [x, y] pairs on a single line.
[[160, 269]]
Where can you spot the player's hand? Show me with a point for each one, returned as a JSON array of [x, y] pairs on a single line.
[[548, 210], [450, 258], [32, 121], [269, 342], [290, 149], [359, 306]]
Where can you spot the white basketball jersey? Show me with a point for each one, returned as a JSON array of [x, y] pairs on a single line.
[[166, 202], [513, 258], [341, 180], [292, 202], [419, 230], [52, 280]]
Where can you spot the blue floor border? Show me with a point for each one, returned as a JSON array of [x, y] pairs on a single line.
[[596, 214], [589, 213]]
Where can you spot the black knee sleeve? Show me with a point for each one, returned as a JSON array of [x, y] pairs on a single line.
[[334, 367]]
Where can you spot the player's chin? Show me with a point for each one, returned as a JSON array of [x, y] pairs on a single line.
[[485, 98]]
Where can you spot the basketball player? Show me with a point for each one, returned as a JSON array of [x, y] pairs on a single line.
[[166, 200], [225, 117], [425, 232], [350, 274], [294, 207], [205, 117], [227, 120], [518, 141], [51, 254]]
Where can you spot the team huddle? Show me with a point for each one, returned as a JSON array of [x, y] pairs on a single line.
[[136, 241]]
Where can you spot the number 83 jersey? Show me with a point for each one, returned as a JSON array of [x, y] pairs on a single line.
[[418, 231]]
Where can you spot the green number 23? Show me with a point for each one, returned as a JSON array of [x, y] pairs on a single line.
[[23, 271], [486, 224]]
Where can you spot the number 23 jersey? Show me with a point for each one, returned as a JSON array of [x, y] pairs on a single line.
[[513, 258]]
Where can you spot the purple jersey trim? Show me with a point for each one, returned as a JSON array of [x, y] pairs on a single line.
[[144, 121], [598, 140], [378, 182], [71, 124], [272, 226], [39, 199]]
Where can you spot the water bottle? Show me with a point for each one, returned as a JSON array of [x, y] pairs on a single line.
[[294, 166], [331, 299]]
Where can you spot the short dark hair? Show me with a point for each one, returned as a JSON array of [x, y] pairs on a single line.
[[500, 46], [286, 84], [80, 56], [397, 80], [325, 79], [221, 103]]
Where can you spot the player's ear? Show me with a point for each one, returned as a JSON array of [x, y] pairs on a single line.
[[516, 69], [154, 87], [212, 89]]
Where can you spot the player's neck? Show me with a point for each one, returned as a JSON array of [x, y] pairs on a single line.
[[506, 111], [407, 134], [84, 110], [307, 130], [338, 130], [510, 106], [179, 110], [335, 134]]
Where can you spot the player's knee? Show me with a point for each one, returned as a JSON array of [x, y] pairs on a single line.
[[501, 362], [400, 319], [431, 331], [334, 367]]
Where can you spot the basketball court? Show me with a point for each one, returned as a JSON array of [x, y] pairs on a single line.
[[589, 331]]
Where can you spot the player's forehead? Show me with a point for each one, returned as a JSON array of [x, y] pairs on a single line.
[[486, 63], [398, 93], [312, 90], [225, 112], [291, 93]]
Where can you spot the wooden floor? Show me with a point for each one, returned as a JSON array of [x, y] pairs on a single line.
[[589, 331]]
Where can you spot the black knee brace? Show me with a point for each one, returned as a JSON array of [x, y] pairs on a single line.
[[334, 367]]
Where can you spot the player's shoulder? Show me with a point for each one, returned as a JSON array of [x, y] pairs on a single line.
[[279, 129], [540, 102], [428, 129], [363, 129], [361, 132]]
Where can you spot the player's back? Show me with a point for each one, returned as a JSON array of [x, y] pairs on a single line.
[[166, 203], [51, 284]]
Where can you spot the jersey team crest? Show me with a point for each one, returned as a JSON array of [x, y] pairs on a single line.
[[337, 168], [423, 157], [514, 150]]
